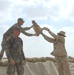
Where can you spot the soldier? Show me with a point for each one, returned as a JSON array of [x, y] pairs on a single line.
[[36, 28], [9, 32], [59, 50], [14, 52]]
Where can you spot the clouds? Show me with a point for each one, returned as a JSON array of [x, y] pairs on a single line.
[[55, 14], [38, 9], [4, 8], [4, 5], [62, 10]]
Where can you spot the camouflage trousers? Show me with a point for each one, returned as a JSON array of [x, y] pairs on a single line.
[[17, 67], [63, 65]]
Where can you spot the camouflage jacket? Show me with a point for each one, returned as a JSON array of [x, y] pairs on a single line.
[[9, 32], [15, 49], [58, 43]]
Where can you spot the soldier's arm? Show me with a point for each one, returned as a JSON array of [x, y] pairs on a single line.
[[27, 28], [49, 39], [22, 30], [23, 55], [27, 34], [51, 33], [8, 54], [8, 48]]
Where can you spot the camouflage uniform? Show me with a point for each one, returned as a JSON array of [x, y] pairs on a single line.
[[59, 52], [9, 32], [15, 52]]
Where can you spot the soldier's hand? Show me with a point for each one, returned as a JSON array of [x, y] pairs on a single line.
[[12, 62]]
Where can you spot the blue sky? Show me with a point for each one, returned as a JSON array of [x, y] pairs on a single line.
[[55, 14]]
